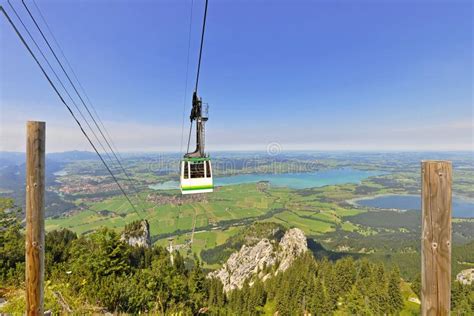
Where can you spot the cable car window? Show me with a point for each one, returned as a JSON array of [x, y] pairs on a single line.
[[208, 169], [197, 170], [185, 170]]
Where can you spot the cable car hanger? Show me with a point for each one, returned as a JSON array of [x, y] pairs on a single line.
[[196, 169]]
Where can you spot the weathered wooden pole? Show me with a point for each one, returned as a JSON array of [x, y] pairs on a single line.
[[34, 257], [436, 237]]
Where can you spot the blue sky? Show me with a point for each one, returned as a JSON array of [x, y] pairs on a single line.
[[357, 75]]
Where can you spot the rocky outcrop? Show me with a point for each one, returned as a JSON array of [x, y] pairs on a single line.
[[292, 245], [253, 260], [466, 277], [137, 234]]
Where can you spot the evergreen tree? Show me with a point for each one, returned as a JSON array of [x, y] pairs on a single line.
[[257, 297], [57, 246], [395, 298], [285, 300], [462, 299], [317, 300], [332, 288], [236, 302], [355, 303], [12, 243], [216, 297], [197, 286], [416, 285], [345, 275], [377, 291]]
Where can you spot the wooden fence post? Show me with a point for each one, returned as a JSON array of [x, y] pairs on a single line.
[[35, 178], [436, 237]]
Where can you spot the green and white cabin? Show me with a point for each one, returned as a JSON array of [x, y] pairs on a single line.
[[196, 175]]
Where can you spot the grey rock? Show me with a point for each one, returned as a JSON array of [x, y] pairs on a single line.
[[250, 261], [139, 237]]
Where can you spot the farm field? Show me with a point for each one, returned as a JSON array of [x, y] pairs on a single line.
[[216, 217], [323, 215], [82, 198]]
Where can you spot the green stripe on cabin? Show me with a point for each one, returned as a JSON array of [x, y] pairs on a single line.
[[197, 187]]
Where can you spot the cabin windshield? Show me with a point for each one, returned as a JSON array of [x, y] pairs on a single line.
[[197, 170], [186, 170], [208, 169]]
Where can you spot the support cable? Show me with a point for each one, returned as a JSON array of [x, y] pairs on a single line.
[[77, 79], [202, 43], [199, 62], [78, 94], [185, 98], [67, 106], [186, 77], [57, 78]]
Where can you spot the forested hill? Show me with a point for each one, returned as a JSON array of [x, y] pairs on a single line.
[[98, 272], [91, 272]]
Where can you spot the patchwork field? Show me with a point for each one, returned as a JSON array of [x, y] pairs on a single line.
[[217, 217]]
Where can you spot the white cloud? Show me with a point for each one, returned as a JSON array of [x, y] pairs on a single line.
[[63, 134]]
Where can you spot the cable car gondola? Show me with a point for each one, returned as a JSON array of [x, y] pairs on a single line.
[[196, 168]]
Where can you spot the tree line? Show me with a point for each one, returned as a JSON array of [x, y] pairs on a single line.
[[98, 272]]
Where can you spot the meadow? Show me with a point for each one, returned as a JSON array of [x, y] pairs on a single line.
[[328, 214]]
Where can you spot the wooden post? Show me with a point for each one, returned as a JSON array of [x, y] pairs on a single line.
[[436, 237], [34, 257]]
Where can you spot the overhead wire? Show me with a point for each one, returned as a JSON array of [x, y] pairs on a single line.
[[186, 76], [199, 63], [200, 49], [75, 77], [56, 76], [51, 83], [118, 161], [185, 94]]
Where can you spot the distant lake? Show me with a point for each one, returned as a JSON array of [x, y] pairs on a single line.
[[461, 207], [290, 180]]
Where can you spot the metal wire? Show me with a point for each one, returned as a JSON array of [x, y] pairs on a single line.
[[202, 43], [118, 161], [66, 105]]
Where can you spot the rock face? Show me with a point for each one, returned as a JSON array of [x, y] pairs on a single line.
[[251, 260], [292, 245], [137, 234], [466, 277]]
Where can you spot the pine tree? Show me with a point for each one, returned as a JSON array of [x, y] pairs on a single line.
[[317, 299], [257, 295], [345, 275], [236, 302], [197, 286], [364, 269], [395, 298], [416, 285], [355, 303], [462, 299], [377, 290], [285, 300], [248, 305], [332, 288], [216, 297]]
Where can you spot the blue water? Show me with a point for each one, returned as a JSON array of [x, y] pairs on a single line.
[[290, 180], [461, 208]]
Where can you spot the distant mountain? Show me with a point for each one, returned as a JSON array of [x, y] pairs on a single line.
[[8, 158], [72, 155]]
